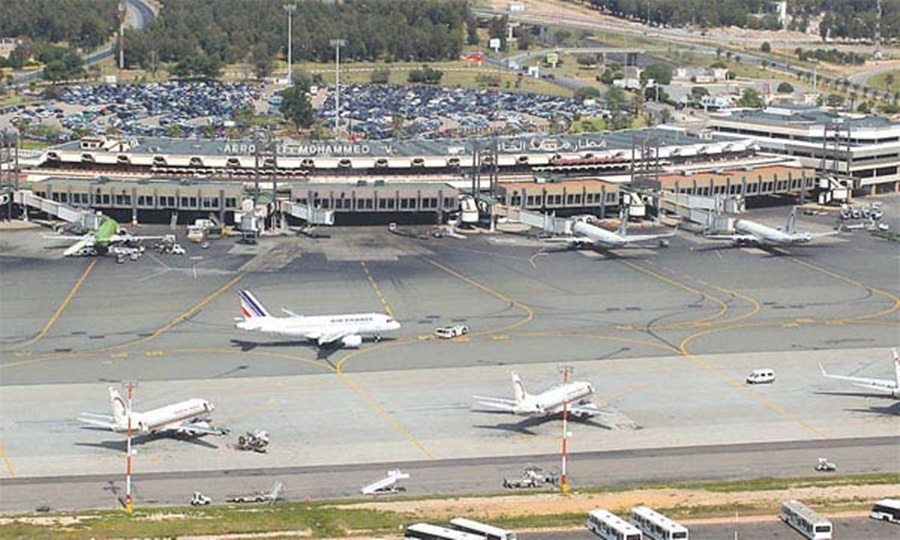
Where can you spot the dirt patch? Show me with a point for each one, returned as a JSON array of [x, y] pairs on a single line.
[[488, 508]]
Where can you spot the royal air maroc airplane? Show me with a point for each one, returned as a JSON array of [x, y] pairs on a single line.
[[190, 417], [107, 235], [751, 233], [586, 234], [880, 385], [344, 330], [574, 395]]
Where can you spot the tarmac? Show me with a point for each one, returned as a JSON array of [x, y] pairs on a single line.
[[666, 336]]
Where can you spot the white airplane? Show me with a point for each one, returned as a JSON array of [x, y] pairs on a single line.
[[388, 484], [752, 233], [189, 417], [346, 330], [881, 385], [590, 235], [574, 395], [108, 236]]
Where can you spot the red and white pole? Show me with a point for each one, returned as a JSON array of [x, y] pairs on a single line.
[[564, 478], [129, 502]]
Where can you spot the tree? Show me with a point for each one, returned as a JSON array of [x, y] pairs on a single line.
[[295, 105], [586, 92], [697, 92], [615, 97], [619, 121], [765, 47], [750, 98], [785, 88], [834, 100], [586, 60], [525, 38], [660, 73], [261, 60], [665, 116], [380, 76], [471, 29], [889, 80]]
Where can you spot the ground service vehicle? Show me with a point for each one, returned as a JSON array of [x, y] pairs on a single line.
[[426, 531], [609, 526], [450, 332], [886, 510], [823, 465], [531, 477], [488, 532], [657, 526], [761, 376], [199, 499], [805, 521]]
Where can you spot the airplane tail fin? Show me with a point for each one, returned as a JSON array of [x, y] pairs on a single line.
[[623, 222], [790, 225], [519, 387], [250, 306], [897, 367], [119, 407]]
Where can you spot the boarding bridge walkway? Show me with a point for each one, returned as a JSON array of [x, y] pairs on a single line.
[[312, 216], [704, 211], [84, 218]]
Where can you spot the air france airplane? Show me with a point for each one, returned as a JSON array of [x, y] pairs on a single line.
[[345, 330], [752, 233], [574, 395], [880, 385], [191, 417]]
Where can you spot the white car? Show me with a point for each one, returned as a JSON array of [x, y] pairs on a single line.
[[177, 249], [450, 332]]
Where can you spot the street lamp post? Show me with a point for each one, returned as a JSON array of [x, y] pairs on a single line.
[[290, 8], [337, 44]]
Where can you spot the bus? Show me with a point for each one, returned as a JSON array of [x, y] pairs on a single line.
[[805, 521], [657, 526], [609, 526], [886, 510], [426, 531], [488, 532]]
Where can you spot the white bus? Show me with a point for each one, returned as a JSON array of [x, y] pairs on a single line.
[[657, 526], [609, 526], [886, 510], [489, 532], [805, 520], [426, 531]]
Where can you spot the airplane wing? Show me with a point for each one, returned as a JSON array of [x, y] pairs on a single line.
[[632, 238], [496, 403], [882, 385], [732, 237], [131, 238], [330, 337], [98, 420], [586, 409], [78, 246], [198, 428]]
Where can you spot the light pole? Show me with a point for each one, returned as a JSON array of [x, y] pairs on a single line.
[[337, 44], [290, 8]]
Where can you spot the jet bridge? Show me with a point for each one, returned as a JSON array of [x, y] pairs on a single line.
[[546, 222], [312, 216], [704, 211], [87, 219]]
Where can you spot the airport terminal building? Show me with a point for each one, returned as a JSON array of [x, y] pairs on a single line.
[[405, 181], [862, 152]]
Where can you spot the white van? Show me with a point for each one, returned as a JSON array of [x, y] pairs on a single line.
[[761, 376]]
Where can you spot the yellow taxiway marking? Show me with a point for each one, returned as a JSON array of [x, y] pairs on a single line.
[[500, 337], [9, 467], [183, 317], [377, 289], [60, 309], [716, 372], [389, 418], [855, 283], [529, 313], [657, 275]]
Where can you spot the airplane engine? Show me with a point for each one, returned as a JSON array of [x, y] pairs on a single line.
[[351, 342]]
